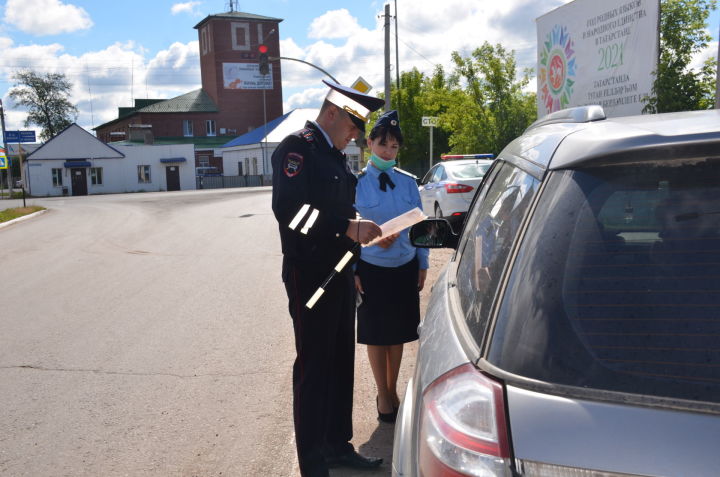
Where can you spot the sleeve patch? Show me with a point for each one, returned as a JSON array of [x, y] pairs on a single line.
[[293, 163]]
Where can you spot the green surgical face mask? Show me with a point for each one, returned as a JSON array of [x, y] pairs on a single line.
[[382, 164]]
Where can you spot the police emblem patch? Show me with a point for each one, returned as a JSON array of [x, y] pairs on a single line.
[[293, 164]]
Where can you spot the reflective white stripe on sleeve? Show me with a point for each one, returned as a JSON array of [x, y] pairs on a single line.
[[310, 221], [311, 302], [341, 264], [300, 215]]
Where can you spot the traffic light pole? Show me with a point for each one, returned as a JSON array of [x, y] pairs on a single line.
[[275, 58]]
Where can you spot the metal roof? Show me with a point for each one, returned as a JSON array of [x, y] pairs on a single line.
[[277, 129], [197, 101]]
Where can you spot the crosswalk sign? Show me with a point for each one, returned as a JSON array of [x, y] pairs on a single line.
[[3, 159]]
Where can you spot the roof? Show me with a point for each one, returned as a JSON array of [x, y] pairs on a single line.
[[559, 145], [277, 129], [239, 16], [72, 143], [197, 101]]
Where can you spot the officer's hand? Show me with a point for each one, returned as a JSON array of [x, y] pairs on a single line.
[[363, 231]]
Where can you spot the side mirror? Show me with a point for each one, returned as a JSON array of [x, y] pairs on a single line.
[[433, 233]]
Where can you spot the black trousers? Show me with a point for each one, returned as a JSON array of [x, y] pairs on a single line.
[[323, 373]]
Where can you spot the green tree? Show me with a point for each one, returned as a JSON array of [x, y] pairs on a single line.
[[493, 110], [46, 99], [683, 34]]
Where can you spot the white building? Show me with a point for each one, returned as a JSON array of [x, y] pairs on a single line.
[[76, 163], [250, 153]]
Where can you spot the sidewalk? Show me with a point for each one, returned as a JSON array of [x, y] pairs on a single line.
[[372, 437]]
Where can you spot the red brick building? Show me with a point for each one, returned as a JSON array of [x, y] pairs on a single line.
[[234, 98]]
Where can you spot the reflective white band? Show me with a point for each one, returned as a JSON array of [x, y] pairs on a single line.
[[299, 216], [348, 104], [310, 221], [341, 264], [311, 302]]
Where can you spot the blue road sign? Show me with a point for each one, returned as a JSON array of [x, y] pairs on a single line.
[[19, 136], [3, 161]]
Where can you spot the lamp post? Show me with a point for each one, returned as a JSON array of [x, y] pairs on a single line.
[[264, 68]]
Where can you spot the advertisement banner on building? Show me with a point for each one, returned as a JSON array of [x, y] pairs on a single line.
[[592, 52], [245, 76]]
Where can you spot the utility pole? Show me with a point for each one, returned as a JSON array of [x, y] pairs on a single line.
[[387, 57], [397, 62], [5, 146]]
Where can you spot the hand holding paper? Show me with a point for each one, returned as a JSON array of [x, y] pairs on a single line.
[[398, 224]]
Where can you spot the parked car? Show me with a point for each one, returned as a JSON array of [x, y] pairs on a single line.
[[575, 330], [449, 187]]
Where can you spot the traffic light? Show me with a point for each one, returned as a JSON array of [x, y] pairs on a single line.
[[264, 66]]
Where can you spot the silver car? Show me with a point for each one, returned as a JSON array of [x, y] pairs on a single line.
[[449, 187], [576, 330]]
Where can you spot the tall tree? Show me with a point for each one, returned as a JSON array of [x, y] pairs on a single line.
[[46, 99], [494, 109], [683, 34]]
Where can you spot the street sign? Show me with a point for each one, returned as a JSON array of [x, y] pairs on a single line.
[[430, 121], [19, 136], [361, 85], [3, 160]]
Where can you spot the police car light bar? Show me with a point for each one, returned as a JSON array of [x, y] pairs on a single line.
[[445, 157]]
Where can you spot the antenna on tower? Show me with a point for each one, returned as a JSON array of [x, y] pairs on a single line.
[[232, 6]]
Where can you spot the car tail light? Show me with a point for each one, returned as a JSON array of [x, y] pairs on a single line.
[[463, 431], [457, 188]]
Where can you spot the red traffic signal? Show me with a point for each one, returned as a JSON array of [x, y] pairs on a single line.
[[263, 60]]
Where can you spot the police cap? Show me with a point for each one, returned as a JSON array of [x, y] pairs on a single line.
[[355, 103]]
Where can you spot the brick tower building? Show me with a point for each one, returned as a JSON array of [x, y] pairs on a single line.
[[234, 99]]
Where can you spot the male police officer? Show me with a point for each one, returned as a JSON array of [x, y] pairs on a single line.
[[313, 197]]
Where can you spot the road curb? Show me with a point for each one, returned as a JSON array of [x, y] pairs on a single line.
[[20, 219]]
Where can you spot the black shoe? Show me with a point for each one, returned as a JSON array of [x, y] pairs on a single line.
[[385, 416], [353, 460]]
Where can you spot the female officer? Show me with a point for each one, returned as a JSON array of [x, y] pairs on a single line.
[[389, 275]]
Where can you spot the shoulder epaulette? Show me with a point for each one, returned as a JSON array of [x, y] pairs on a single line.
[[361, 173], [405, 173], [308, 135]]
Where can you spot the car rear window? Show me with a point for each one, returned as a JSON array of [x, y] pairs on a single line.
[[469, 171], [617, 283]]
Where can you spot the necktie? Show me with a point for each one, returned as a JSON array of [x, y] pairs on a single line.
[[385, 181]]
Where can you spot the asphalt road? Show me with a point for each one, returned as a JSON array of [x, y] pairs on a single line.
[[147, 334]]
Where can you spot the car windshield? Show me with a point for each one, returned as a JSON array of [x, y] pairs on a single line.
[[617, 284], [473, 170]]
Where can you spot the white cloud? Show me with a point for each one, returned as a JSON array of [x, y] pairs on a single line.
[[46, 17], [334, 24], [106, 79], [185, 7], [429, 31]]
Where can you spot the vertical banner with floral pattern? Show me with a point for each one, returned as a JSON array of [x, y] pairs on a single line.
[[592, 52]]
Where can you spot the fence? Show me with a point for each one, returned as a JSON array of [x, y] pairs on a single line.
[[222, 182]]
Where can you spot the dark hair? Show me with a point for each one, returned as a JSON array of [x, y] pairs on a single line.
[[385, 131]]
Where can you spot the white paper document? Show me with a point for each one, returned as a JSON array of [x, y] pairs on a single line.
[[399, 223]]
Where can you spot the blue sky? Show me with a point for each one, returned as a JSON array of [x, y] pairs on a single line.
[[115, 51]]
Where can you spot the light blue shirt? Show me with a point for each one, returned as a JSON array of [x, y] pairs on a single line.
[[381, 206]]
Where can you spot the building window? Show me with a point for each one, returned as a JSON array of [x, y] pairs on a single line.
[[187, 128], [204, 161], [240, 168], [247, 166], [144, 174], [57, 177], [254, 166], [210, 127], [96, 175], [354, 161]]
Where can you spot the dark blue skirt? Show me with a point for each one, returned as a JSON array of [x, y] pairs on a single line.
[[390, 309]]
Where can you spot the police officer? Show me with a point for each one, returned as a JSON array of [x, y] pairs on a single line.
[[313, 197]]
